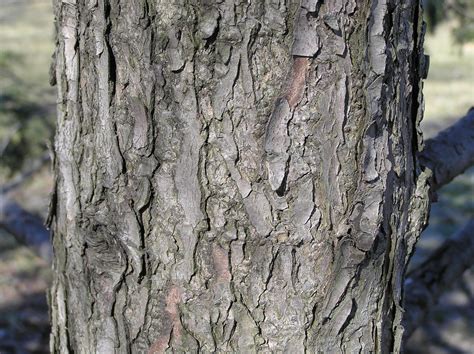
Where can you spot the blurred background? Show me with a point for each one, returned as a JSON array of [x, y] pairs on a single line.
[[27, 116]]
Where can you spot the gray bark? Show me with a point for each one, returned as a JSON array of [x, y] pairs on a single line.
[[235, 176]]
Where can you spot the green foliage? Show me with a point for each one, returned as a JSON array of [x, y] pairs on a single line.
[[25, 124], [462, 11], [434, 13], [27, 104], [25, 128]]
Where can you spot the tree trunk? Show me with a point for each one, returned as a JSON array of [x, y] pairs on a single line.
[[235, 176]]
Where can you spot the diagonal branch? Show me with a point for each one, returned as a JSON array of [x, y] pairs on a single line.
[[451, 152], [425, 284], [35, 167], [27, 228]]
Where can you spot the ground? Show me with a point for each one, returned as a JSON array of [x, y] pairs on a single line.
[[26, 31]]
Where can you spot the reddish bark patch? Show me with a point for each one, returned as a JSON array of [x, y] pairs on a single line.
[[221, 264], [159, 346], [172, 301], [296, 81], [172, 316]]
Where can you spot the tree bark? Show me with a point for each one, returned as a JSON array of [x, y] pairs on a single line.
[[235, 176]]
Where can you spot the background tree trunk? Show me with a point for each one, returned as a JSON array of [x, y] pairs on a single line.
[[235, 175]]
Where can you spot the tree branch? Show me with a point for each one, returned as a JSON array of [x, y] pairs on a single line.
[[424, 285], [451, 152], [27, 228], [35, 167]]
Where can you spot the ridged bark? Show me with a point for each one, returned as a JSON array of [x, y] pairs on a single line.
[[235, 176]]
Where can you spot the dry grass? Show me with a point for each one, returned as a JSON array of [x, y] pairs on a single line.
[[26, 31], [449, 89]]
